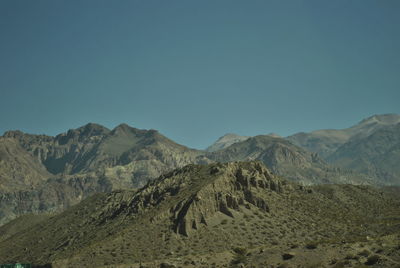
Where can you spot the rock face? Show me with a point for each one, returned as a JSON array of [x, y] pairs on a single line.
[[220, 188], [202, 209], [233, 186]]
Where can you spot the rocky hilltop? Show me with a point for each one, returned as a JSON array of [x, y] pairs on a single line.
[[214, 215]]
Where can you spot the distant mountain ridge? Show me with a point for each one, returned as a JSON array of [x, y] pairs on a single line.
[[377, 154], [226, 141], [370, 147], [288, 160], [326, 141], [93, 147]]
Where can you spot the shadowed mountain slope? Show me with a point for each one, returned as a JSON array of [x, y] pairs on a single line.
[[194, 216]]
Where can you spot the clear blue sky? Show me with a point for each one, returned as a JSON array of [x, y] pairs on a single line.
[[195, 70]]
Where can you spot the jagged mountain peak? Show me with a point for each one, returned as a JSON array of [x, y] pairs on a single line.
[[125, 129], [86, 132], [93, 128]]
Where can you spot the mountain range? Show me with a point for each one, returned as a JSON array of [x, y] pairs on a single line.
[[40, 173]]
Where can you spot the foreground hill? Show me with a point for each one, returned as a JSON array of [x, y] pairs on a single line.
[[216, 215]]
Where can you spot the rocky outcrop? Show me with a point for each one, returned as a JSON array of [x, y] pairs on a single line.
[[218, 188], [237, 187]]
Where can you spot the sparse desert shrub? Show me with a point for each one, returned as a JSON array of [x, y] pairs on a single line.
[[351, 256], [311, 245], [333, 261], [314, 265], [372, 260], [364, 253], [287, 256], [339, 264], [240, 256], [283, 265]]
